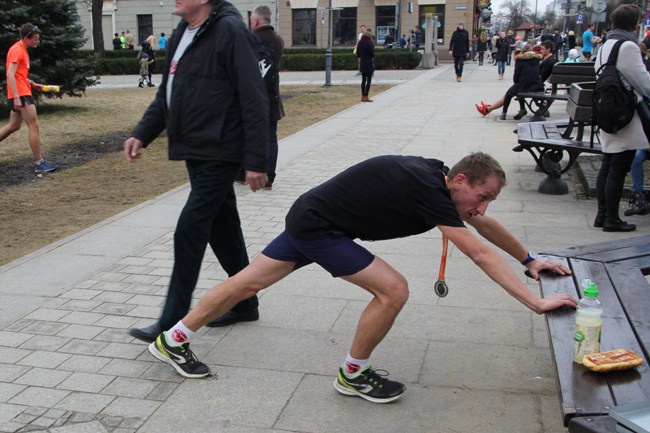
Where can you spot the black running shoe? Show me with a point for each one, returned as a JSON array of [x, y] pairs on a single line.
[[371, 385], [181, 358]]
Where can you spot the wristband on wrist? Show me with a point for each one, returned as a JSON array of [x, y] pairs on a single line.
[[531, 256]]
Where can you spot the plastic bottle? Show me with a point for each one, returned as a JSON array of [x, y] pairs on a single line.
[[589, 322]]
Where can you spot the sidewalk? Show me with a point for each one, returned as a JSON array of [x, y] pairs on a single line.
[[475, 361]]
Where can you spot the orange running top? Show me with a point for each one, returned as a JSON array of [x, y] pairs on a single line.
[[18, 54]]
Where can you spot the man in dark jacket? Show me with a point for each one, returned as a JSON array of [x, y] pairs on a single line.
[[548, 60], [260, 21], [459, 49], [213, 103]]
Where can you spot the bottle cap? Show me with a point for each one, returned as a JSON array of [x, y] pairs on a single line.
[[591, 291]]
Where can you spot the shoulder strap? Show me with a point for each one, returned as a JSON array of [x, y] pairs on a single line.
[[613, 55]]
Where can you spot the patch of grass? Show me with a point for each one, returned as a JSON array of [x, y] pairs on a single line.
[[84, 136]]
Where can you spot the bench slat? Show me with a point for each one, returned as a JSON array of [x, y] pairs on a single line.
[[583, 250], [563, 144], [634, 292], [619, 254], [552, 132]]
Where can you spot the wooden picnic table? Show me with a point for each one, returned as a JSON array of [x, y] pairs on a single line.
[[618, 268]]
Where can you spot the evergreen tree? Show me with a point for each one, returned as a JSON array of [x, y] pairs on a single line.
[[56, 60]]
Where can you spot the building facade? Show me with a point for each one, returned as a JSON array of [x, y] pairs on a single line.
[[301, 23]]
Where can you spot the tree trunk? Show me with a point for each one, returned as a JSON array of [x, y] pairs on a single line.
[[98, 33]]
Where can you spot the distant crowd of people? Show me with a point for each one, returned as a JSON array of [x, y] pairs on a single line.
[[535, 58]]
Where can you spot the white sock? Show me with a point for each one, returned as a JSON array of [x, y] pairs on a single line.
[[353, 367], [178, 335]]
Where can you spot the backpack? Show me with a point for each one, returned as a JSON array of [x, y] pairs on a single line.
[[613, 103]]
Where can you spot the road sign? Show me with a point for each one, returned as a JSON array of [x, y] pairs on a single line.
[[599, 6], [580, 18]]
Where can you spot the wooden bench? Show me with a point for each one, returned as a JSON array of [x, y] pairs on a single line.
[[548, 141], [562, 76], [618, 268]]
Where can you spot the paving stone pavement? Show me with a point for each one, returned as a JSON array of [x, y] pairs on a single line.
[[475, 361]]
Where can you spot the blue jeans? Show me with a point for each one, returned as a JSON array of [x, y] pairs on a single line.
[[501, 66], [459, 61], [637, 169]]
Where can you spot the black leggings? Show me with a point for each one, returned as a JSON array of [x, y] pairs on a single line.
[[506, 101], [610, 181], [366, 79]]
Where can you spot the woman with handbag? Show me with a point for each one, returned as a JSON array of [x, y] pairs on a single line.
[[619, 148]]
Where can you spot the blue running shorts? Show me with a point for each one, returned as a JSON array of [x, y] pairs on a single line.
[[335, 252]]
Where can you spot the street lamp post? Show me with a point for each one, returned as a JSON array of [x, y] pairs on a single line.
[[328, 51]]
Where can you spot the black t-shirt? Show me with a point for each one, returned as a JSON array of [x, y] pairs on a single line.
[[385, 197]]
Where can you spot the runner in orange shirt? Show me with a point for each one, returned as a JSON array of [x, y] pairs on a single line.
[[19, 92]]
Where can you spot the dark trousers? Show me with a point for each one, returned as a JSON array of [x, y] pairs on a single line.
[[366, 80], [209, 217], [273, 151], [459, 62], [508, 98], [610, 181]]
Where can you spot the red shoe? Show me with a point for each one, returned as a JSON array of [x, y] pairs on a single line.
[[482, 109], [485, 105]]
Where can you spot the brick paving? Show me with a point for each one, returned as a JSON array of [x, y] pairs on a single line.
[[476, 361]]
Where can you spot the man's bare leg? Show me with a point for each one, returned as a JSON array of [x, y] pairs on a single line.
[[34, 132], [15, 120], [390, 291], [260, 274]]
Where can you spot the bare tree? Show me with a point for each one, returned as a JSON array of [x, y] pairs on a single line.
[[514, 13], [98, 32]]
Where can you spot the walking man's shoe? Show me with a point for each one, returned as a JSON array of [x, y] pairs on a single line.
[[371, 385], [148, 334], [181, 358], [230, 317]]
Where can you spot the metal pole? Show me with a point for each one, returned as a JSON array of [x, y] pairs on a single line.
[[328, 51], [410, 26]]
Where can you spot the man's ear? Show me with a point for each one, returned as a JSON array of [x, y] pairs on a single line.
[[458, 180]]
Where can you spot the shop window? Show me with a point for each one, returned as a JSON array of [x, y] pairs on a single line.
[[345, 26], [304, 27]]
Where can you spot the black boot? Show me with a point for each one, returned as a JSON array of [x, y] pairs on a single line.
[[520, 114], [618, 226]]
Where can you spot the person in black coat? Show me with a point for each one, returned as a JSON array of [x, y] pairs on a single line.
[[481, 47], [526, 79], [459, 48], [366, 55], [501, 57], [548, 60], [216, 113]]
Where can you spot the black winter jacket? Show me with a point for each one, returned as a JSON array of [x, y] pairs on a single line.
[[269, 37], [459, 44], [219, 105], [366, 54], [526, 76], [503, 48]]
